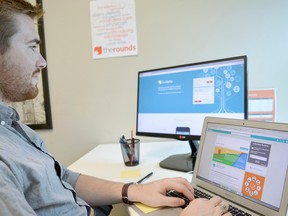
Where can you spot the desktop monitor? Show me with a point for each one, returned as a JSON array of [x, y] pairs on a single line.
[[172, 102]]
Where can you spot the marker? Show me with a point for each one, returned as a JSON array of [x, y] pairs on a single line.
[[144, 178]]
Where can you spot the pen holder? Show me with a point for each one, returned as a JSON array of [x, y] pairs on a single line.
[[130, 151]]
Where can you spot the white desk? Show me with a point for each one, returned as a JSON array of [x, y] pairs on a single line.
[[105, 161]]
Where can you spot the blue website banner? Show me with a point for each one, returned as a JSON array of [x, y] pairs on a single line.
[[212, 90]]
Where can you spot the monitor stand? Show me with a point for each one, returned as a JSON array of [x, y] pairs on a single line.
[[182, 162]]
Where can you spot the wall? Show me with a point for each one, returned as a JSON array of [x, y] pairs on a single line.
[[94, 101]]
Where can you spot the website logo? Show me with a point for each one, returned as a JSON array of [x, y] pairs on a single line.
[[98, 50], [161, 82]]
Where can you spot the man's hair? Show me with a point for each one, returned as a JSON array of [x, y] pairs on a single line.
[[8, 8]]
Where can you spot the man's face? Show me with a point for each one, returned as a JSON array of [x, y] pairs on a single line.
[[21, 64]]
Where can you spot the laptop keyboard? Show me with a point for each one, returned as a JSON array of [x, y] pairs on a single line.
[[233, 210], [173, 193]]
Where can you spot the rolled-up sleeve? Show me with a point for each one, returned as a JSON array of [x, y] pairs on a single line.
[[70, 176]]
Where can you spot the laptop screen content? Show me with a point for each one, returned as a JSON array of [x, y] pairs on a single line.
[[247, 161]]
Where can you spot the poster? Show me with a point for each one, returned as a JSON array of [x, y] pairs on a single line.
[[113, 28], [261, 105]]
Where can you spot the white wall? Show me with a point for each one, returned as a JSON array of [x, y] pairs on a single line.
[[94, 101]]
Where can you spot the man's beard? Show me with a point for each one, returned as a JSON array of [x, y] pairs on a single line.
[[15, 95], [15, 88]]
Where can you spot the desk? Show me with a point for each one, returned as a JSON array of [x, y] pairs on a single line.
[[105, 161]]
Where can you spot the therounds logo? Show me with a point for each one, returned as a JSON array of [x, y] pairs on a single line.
[[98, 50]]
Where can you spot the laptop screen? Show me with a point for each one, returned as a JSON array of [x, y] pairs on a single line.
[[246, 161]]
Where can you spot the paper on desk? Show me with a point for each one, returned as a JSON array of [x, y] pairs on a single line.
[[129, 173], [146, 209]]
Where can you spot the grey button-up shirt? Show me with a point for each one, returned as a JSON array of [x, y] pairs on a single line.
[[31, 181]]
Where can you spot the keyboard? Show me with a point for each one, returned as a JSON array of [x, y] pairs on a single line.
[[233, 210], [173, 193]]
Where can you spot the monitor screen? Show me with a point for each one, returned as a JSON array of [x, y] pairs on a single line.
[[172, 102]]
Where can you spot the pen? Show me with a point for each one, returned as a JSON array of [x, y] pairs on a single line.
[[131, 148], [145, 177]]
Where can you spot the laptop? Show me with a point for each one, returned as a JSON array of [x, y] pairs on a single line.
[[244, 162]]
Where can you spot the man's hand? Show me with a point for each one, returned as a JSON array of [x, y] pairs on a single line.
[[204, 207], [154, 193]]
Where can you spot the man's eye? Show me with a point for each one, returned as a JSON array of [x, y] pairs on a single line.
[[34, 47]]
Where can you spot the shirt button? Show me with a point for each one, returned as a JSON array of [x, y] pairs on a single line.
[[2, 122]]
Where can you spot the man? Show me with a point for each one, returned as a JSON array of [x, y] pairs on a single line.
[[32, 182]]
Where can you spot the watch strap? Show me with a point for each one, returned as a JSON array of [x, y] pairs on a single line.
[[125, 193]]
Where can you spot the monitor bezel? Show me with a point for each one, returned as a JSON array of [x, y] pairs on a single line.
[[191, 136]]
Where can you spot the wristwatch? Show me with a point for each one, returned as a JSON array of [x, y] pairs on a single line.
[[124, 193]]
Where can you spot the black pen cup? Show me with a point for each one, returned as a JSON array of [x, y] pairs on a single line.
[[130, 151]]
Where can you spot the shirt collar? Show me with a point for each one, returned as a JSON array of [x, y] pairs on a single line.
[[7, 114]]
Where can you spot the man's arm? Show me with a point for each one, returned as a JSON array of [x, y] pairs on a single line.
[[101, 192], [97, 191]]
